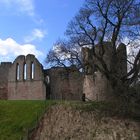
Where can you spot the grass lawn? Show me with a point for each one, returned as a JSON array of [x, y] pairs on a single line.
[[16, 117]]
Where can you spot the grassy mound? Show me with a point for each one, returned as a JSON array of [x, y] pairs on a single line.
[[17, 117], [87, 121], [111, 109]]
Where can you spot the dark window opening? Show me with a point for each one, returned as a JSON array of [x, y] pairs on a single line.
[[25, 72], [32, 70], [17, 72], [47, 79]]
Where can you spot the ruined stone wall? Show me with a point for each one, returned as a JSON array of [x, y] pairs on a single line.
[[122, 57], [87, 58], [65, 84], [4, 70], [26, 79], [26, 85], [96, 86]]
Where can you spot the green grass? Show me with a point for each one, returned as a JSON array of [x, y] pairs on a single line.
[[16, 117]]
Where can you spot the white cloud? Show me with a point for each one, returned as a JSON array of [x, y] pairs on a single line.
[[10, 48], [25, 6], [36, 34]]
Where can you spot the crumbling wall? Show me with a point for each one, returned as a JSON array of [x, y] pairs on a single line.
[[87, 57], [65, 83], [96, 86], [26, 79], [4, 70], [122, 60], [61, 83]]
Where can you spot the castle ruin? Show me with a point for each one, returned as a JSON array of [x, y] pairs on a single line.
[[25, 78], [96, 86]]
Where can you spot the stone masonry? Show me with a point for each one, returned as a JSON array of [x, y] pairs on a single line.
[[65, 83], [4, 70], [25, 79], [95, 85]]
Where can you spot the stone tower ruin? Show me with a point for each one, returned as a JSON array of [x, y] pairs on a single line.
[[96, 86]]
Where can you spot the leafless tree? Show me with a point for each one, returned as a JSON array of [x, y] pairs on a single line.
[[64, 54], [107, 20]]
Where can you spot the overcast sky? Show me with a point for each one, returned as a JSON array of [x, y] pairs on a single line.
[[32, 26]]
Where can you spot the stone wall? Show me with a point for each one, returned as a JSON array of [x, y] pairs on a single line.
[[4, 70], [26, 79], [122, 57], [96, 86], [65, 84]]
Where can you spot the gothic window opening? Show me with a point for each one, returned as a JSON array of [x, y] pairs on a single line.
[[17, 72], [32, 70], [25, 72], [47, 79]]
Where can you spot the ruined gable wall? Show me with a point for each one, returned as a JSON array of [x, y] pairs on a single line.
[[65, 84], [32, 88], [4, 69]]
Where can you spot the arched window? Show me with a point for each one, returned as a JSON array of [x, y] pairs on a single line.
[[32, 70], [47, 79], [25, 71], [17, 71]]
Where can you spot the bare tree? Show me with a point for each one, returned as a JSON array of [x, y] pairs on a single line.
[[64, 54], [108, 20]]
